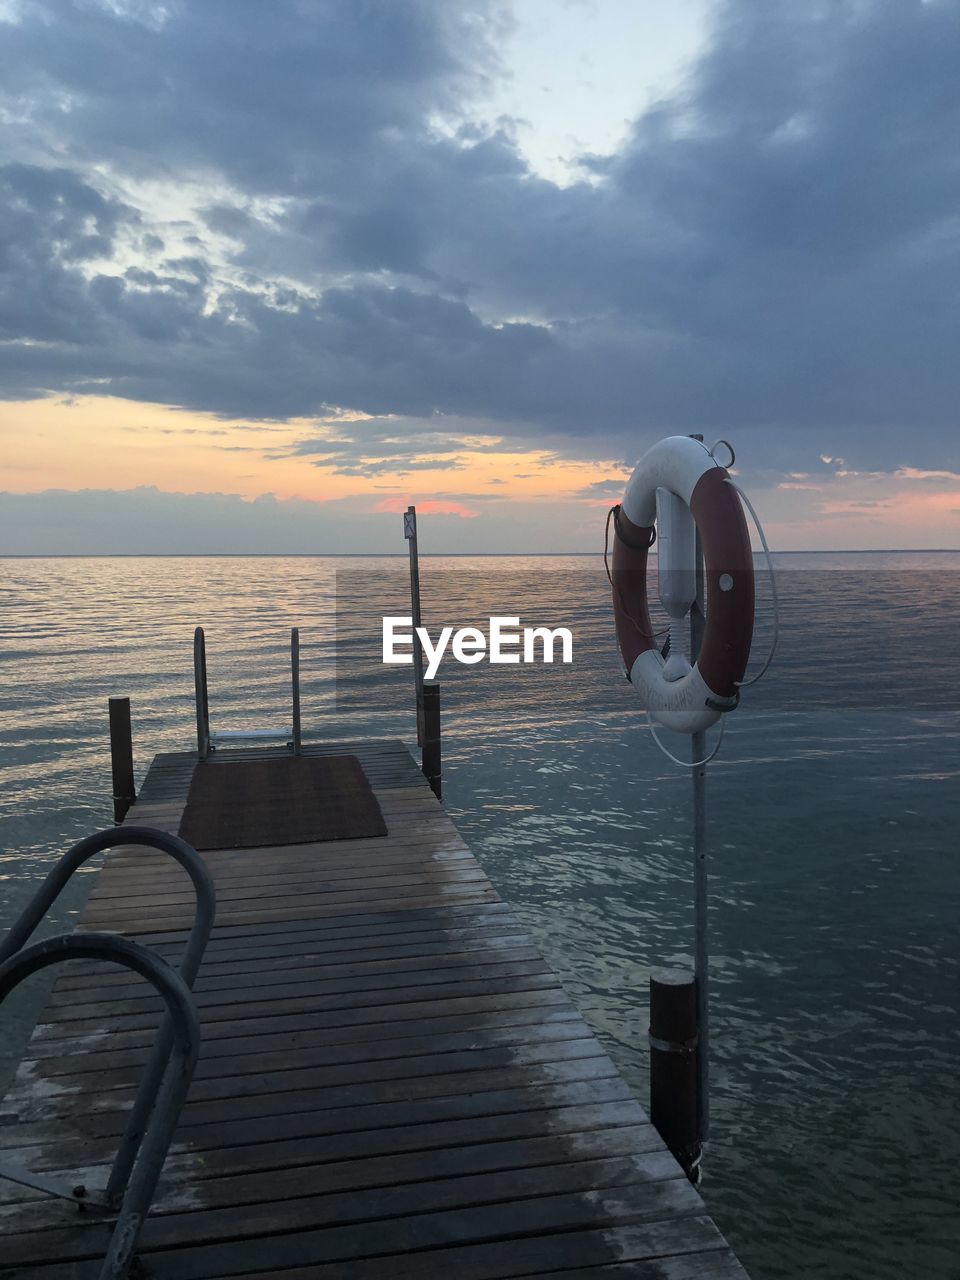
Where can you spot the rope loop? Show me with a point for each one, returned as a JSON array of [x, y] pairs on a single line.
[[614, 514], [686, 764], [617, 511], [728, 446]]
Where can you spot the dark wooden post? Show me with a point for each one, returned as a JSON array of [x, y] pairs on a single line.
[[295, 673], [121, 758], [430, 752], [200, 686], [673, 1065]]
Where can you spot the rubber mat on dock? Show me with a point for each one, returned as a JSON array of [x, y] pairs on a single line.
[[291, 800]]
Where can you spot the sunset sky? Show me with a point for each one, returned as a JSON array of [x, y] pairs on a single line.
[[269, 272]]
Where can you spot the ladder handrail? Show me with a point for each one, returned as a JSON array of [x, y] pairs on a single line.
[[203, 917], [184, 1048], [206, 739]]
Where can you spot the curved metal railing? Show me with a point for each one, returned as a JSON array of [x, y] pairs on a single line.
[[115, 838], [158, 1092], [207, 739], [184, 1048]]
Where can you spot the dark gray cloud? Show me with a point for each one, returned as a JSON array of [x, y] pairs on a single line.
[[396, 464], [51, 224], [776, 247], [397, 446], [277, 98], [603, 489]]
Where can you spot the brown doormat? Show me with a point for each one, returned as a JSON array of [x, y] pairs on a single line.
[[245, 804]]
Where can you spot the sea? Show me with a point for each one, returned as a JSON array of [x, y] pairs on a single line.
[[833, 812]]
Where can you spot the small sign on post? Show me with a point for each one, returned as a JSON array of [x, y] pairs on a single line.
[[410, 533]]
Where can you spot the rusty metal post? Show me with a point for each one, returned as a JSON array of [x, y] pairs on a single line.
[[430, 753], [121, 758], [673, 1065]]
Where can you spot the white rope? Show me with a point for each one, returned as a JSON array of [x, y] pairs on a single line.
[[686, 764], [743, 684]]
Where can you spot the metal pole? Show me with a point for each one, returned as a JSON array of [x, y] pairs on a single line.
[[121, 758], [410, 533], [701, 954]]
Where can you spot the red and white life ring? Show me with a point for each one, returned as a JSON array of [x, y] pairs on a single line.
[[697, 698]]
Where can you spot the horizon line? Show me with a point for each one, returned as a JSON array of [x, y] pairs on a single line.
[[452, 555]]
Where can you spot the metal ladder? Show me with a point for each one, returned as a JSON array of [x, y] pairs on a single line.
[[207, 739], [169, 1068]]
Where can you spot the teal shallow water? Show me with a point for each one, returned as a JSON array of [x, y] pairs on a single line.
[[833, 812]]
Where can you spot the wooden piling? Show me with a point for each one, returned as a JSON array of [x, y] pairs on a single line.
[[295, 675], [673, 1065], [430, 753], [121, 758]]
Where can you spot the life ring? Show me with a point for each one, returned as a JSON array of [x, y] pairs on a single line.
[[694, 700]]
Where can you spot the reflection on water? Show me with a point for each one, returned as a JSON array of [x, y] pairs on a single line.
[[833, 810]]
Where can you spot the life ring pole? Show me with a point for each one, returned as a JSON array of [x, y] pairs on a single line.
[[701, 961], [680, 496]]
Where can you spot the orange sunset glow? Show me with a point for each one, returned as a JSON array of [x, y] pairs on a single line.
[[105, 443], [98, 442]]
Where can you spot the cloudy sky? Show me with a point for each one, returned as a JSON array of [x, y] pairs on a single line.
[[271, 271]]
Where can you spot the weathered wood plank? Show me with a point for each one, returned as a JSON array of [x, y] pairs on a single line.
[[362, 1054], [500, 1190], [298, 1079], [639, 1142], [239, 1018], [260, 960], [347, 1113], [184, 1174], [548, 1009], [348, 1023]]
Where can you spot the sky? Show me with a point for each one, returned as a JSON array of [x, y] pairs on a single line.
[[271, 272]]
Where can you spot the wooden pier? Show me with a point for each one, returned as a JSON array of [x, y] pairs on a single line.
[[392, 1083]]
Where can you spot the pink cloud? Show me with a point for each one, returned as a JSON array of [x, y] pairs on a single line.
[[430, 507]]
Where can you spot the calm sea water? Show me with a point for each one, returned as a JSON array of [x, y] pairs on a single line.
[[834, 807]]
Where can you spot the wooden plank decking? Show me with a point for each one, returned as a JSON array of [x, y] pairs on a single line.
[[392, 1082]]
